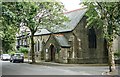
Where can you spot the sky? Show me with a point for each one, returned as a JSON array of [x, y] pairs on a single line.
[[71, 4]]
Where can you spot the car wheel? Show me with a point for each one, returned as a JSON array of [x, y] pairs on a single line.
[[10, 60], [22, 61], [13, 61]]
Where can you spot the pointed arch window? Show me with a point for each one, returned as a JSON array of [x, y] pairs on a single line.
[[92, 38], [38, 45]]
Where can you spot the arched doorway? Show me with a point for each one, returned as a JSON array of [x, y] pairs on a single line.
[[52, 52]]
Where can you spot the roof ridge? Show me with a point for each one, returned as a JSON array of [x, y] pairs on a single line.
[[74, 10]]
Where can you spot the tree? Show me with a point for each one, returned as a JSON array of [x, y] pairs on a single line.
[[37, 15], [7, 27], [106, 16], [8, 39]]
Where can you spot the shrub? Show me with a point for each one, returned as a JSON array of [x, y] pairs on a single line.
[[23, 50]]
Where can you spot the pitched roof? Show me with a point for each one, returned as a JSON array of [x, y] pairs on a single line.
[[74, 16], [42, 32], [62, 41]]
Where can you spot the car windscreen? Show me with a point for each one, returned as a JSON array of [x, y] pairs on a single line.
[[17, 55], [5, 55]]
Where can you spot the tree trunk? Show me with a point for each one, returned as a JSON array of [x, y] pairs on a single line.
[[32, 48], [111, 57]]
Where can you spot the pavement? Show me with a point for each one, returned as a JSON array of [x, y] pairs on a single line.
[[63, 64], [117, 72]]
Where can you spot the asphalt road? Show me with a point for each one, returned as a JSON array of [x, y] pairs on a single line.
[[33, 69]]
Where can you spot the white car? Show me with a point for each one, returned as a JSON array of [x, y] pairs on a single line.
[[5, 57]]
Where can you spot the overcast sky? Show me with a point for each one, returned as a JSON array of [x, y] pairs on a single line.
[[71, 4]]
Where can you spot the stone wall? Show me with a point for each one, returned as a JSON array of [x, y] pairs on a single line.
[[63, 55], [119, 43], [84, 54], [116, 44], [39, 51]]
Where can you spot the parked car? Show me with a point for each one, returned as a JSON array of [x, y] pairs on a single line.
[[17, 57], [5, 57]]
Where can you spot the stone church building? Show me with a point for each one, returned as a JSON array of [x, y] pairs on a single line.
[[74, 44]]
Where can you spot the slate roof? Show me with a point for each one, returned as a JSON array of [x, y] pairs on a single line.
[[62, 41], [42, 32], [74, 16]]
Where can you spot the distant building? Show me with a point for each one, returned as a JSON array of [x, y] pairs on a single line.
[[76, 44]]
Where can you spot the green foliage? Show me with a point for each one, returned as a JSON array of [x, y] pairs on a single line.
[[104, 15], [23, 50], [8, 39], [117, 54], [41, 15], [11, 52], [8, 26]]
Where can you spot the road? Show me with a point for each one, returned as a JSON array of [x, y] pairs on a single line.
[[33, 69]]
